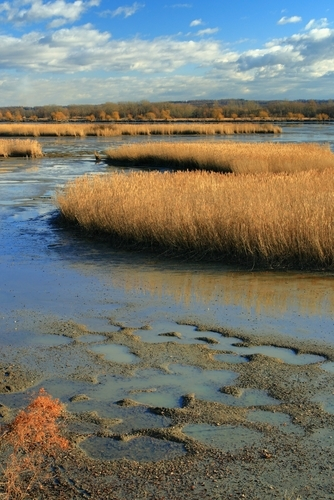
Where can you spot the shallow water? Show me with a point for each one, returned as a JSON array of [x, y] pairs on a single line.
[[48, 271], [141, 449], [115, 352], [286, 355], [279, 420], [226, 437]]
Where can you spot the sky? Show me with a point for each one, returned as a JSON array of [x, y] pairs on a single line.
[[96, 51]]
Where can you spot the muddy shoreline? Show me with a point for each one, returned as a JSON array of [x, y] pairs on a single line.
[[222, 384], [302, 446]]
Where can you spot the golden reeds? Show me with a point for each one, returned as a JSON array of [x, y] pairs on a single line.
[[117, 129], [237, 157], [268, 219], [20, 147]]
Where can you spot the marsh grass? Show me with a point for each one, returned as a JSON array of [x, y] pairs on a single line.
[[118, 129], [20, 147], [225, 156], [256, 219]]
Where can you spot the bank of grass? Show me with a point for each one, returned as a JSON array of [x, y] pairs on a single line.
[[224, 156], [118, 129], [262, 219], [20, 147]]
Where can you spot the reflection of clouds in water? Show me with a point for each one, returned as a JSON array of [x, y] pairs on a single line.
[[265, 293]]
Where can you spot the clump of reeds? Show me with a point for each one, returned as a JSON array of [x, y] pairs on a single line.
[[117, 129], [237, 157], [32, 441], [20, 147], [266, 219]]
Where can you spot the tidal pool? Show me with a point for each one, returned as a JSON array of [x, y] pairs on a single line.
[[286, 355], [169, 331], [115, 352], [141, 449], [280, 420], [229, 438], [329, 367]]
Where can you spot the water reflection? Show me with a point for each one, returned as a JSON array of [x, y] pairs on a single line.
[[262, 292], [296, 304], [293, 303]]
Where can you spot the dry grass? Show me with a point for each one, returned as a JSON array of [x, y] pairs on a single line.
[[33, 440], [117, 129], [225, 156], [266, 219], [20, 147]]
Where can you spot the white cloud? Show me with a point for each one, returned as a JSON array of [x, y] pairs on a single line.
[[34, 11], [316, 24], [86, 49], [287, 20], [196, 22], [207, 31], [127, 11], [118, 69]]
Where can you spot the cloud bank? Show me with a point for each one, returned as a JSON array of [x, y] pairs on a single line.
[[81, 63]]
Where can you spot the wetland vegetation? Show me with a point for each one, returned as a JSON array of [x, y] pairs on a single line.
[[20, 147], [119, 129], [274, 207], [225, 157], [173, 379]]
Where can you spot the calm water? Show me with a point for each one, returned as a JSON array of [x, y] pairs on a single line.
[[52, 271]]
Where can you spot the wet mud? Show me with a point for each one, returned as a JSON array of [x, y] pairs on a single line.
[[227, 432], [180, 380]]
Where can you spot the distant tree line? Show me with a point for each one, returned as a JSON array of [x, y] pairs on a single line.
[[230, 109]]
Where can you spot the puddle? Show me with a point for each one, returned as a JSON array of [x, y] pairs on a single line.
[[21, 338], [169, 331], [166, 389], [115, 352], [127, 419], [140, 449], [148, 387], [323, 438], [226, 437], [249, 397], [280, 420], [328, 367], [288, 356], [326, 400], [49, 340]]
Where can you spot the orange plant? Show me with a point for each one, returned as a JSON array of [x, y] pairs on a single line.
[[34, 441]]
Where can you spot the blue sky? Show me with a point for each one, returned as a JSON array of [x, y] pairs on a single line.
[[93, 51]]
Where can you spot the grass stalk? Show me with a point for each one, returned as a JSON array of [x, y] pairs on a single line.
[[118, 129], [225, 156], [20, 147], [263, 219]]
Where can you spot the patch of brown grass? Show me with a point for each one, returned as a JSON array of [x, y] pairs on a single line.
[[237, 157], [110, 130], [20, 147], [267, 219], [33, 440]]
